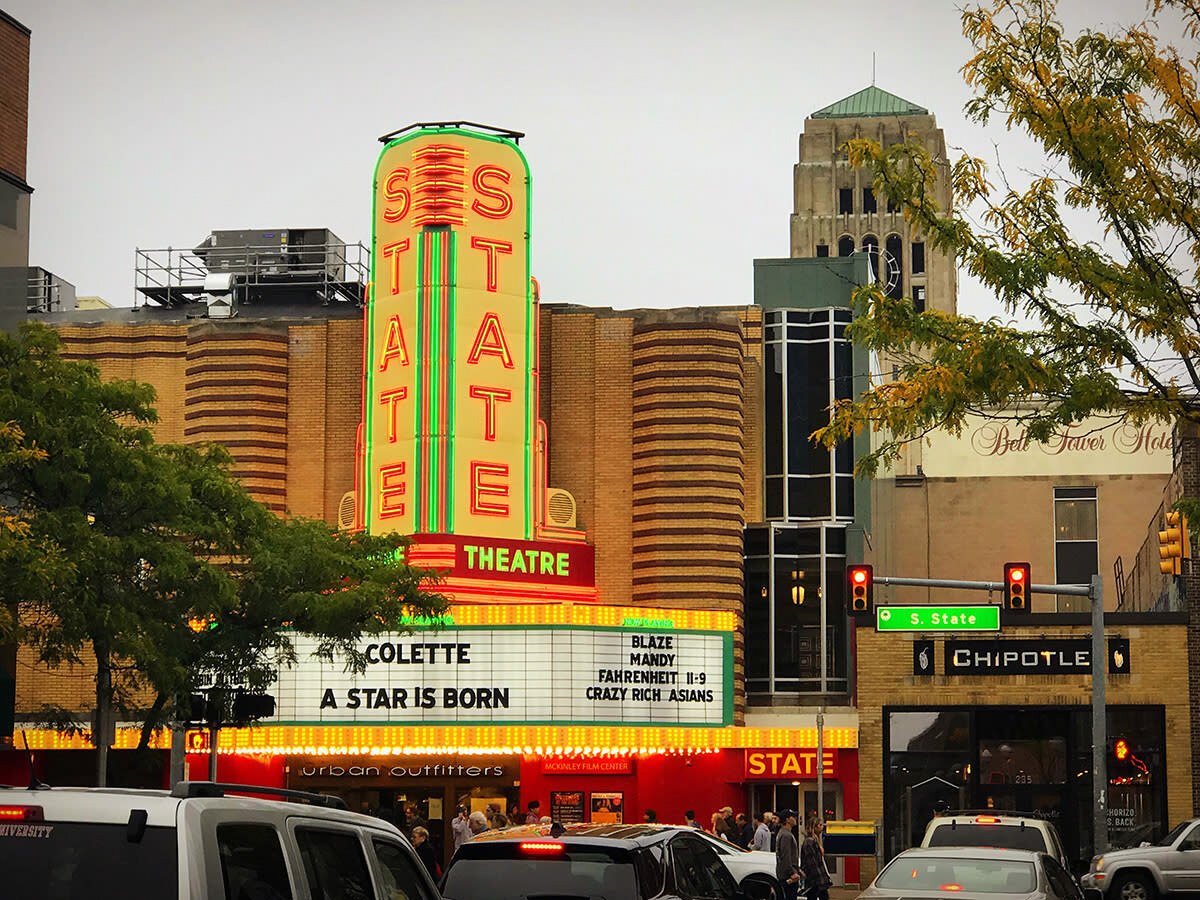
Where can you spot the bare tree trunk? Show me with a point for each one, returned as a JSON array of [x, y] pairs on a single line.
[[152, 720], [103, 713]]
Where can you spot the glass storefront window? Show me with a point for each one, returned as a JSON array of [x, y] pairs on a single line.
[[1030, 760]]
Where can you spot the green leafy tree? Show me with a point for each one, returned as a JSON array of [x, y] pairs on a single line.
[[1112, 321], [160, 538]]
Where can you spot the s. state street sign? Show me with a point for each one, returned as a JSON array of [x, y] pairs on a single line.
[[937, 618]]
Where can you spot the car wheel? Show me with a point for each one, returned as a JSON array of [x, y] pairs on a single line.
[[1133, 886], [760, 888]]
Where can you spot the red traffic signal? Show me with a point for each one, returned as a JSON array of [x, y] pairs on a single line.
[[1017, 579], [860, 581]]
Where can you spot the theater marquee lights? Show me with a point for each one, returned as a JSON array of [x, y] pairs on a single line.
[[450, 423]]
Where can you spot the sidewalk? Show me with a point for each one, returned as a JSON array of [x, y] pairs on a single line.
[[843, 893]]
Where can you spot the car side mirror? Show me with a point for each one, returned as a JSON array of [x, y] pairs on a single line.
[[1093, 894]]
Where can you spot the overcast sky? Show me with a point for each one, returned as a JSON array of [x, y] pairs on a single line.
[[661, 134]]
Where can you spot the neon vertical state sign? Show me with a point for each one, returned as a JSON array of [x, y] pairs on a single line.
[[450, 363]]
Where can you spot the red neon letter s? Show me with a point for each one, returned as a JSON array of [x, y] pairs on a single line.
[[395, 191], [503, 197], [481, 489]]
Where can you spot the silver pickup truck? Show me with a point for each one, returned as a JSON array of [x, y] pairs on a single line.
[[1170, 866]]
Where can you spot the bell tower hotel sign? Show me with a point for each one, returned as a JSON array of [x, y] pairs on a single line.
[[1097, 446], [450, 448]]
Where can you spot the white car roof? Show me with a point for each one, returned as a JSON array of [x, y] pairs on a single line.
[[113, 805]]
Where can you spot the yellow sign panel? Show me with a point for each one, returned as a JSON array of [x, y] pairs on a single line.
[[448, 442]]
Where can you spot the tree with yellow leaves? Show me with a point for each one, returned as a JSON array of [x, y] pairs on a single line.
[[1111, 324]]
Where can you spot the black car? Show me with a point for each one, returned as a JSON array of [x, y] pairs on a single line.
[[587, 862]]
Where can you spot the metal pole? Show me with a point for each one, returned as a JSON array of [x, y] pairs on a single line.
[[212, 753], [178, 766], [821, 762], [1099, 723]]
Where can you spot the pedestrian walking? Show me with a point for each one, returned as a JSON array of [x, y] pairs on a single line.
[[650, 817], [718, 826], [762, 833], [478, 823], [743, 831], [787, 855], [812, 862], [689, 819], [461, 827], [535, 812], [425, 851]]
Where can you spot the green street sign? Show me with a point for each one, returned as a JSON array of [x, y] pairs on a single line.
[[937, 618]]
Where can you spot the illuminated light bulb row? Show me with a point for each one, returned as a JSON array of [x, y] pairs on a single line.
[[459, 751]]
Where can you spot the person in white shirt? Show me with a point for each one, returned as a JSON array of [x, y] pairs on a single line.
[[762, 834]]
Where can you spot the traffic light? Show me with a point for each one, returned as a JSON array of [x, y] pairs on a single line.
[[1173, 544], [247, 706], [861, 591], [1017, 578]]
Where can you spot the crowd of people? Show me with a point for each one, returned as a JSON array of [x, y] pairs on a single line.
[[799, 858]]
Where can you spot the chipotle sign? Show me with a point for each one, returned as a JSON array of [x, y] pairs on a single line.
[[789, 764]]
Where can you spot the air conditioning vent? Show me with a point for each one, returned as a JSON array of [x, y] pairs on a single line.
[[346, 510], [560, 508]]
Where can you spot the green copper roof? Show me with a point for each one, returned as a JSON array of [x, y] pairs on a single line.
[[870, 101]]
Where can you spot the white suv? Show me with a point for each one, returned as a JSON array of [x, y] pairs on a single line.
[[986, 828], [198, 843]]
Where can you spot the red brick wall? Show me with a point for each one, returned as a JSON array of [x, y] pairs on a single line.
[[14, 97]]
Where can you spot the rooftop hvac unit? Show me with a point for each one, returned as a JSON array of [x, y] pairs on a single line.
[[347, 507], [560, 508], [276, 253], [219, 294]]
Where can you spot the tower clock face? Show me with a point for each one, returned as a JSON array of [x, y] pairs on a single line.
[[884, 267]]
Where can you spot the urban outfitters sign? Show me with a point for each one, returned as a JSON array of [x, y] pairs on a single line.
[[1052, 656], [517, 675]]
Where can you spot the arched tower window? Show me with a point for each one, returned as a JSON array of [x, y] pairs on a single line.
[[894, 248], [845, 245]]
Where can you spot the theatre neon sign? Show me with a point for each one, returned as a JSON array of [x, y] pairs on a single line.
[[449, 435]]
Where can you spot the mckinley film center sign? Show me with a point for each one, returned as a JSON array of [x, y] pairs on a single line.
[[505, 674]]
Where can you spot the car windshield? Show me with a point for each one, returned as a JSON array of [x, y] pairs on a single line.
[[73, 861], [1173, 835], [959, 876], [506, 872], [1011, 837]]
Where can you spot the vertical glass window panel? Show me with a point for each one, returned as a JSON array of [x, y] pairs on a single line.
[[808, 498], [837, 641], [797, 618], [892, 205], [845, 245], [928, 765], [835, 544], [895, 270], [845, 201], [773, 409], [918, 257], [918, 296], [1137, 783], [807, 406], [774, 317], [844, 490], [822, 250], [1075, 562], [1075, 520], [870, 246], [758, 617], [799, 541], [843, 370], [775, 497], [869, 205], [756, 542]]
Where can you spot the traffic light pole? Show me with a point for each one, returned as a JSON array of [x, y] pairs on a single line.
[[1095, 593]]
